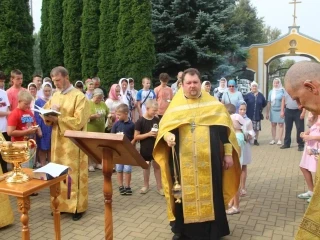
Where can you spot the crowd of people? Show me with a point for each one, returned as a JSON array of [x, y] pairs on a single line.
[[194, 123]]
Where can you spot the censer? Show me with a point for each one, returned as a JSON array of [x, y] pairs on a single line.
[[176, 189], [17, 153]]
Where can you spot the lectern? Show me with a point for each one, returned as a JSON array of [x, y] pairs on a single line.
[[108, 149]]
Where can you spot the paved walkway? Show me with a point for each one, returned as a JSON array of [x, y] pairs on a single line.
[[271, 209]]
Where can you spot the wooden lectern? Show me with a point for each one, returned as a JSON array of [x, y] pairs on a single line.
[[108, 149]]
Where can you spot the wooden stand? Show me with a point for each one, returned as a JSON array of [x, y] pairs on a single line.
[[108, 149], [24, 190]]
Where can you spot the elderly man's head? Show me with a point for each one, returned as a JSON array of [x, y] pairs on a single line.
[[302, 82]]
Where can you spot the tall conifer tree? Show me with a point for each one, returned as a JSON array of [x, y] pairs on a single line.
[[108, 37], [90, 37], [143, 55], [124, 45], [55, 46], [44, 37], [16, 39], [192, 33], [72, 10]]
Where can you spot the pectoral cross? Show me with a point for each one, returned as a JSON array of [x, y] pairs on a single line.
[[193, 126], [295, 11]]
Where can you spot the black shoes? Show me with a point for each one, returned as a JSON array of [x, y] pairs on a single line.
[[300, 148], [177, 236], [125, 191], [284, 147], [128, 191], [122, 190], [76, 216], [256, 143]]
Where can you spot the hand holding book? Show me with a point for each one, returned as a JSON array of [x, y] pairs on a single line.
[[46, 112]]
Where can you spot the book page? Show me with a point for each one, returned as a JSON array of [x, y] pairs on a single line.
[[45, 112], [52, 168]]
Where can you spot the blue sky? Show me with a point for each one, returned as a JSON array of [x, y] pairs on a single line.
[[276, 13]]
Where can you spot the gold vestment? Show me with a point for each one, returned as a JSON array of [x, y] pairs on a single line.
[[75, 110], [196, 176], [310, 225], [6, 214]]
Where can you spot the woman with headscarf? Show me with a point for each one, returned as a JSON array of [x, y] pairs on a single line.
[[232, 95], [90, 88], [43, 143], [80, 86], [274, 109], [256, 102], [32, 88], [206, 85], [126, 95], [98, 115], [219, 91], [113, 101], [135, 113]]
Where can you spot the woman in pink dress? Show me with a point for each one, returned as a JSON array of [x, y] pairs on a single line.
[[308, 162]]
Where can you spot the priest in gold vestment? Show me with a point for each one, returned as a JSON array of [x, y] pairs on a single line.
[[74, 109], [200, 129], [6, 214], [302, 82]]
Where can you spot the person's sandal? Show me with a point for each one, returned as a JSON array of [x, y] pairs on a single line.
[[305, 195], [144, 190], [233, 210], [160, 192], [243, 192]]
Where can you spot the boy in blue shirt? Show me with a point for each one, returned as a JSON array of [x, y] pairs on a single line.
[[126, 127]]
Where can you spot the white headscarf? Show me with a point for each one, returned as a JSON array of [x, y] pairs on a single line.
[[47, 84], [222, 89], [274, 90], [254, 83], [203, 85], [123, 95]]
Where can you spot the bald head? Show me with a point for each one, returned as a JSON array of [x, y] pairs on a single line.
[[302, 71], [302, 82]]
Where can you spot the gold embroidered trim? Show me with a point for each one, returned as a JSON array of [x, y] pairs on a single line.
[[196, 174], [311, 226]]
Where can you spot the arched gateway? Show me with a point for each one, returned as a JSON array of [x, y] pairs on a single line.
[[293, 43]]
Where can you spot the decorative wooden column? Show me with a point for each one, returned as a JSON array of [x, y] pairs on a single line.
[[107, 170], [55, 192], [24, 207]]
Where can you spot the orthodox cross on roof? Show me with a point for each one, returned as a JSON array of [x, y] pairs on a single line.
[[295, 11]]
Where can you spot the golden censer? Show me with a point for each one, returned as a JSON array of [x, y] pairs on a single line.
[[17, 153]]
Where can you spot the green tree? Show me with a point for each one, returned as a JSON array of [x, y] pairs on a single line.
[[270, 34], [89, 43], [124, 44], [16, 40], [36, 54], [108, 25], [55, 45], [72, 10], [192, 33], [44, 37], [143, 55], [245, 19]]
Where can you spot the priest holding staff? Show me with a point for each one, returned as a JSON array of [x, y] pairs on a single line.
[[198, 153]]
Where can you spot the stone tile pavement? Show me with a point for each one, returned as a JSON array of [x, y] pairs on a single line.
[[271, 209]]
